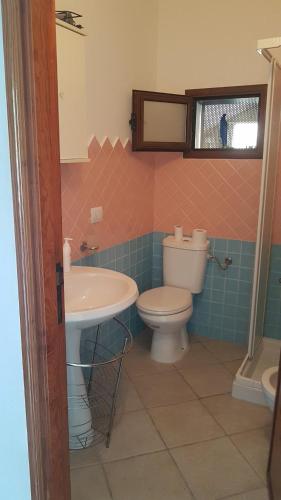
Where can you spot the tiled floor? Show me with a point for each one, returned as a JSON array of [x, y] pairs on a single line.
[[179, 434]]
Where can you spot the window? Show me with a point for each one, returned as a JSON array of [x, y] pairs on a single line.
[[227, 122], [205, 123], [159, 121]]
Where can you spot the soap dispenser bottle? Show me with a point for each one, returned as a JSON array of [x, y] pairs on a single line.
[[66, 255]]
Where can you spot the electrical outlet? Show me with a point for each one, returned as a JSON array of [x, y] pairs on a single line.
[[96, 214]]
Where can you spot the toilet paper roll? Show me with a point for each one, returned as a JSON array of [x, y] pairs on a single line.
[[199, 236], [178, 233]]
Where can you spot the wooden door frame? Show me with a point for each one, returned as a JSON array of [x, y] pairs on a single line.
[[31, 102]]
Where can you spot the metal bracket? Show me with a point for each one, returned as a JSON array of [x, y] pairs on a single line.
[[133, 121], [69, 17]]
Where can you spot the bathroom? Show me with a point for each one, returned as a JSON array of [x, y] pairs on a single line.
[[197, 426]]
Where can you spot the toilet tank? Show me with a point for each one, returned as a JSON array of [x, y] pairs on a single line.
[[184, 263]]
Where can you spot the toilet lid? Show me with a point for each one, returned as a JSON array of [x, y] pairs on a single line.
[[165, 300]]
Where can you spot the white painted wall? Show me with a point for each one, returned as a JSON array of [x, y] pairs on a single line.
[[168, 45], [121, 55], [208, 44], [14, 466]]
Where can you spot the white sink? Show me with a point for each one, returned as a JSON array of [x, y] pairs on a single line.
[[92, 295]]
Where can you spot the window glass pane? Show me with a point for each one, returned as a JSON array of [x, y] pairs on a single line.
[[226, 123], [164, 121], [244, 135]]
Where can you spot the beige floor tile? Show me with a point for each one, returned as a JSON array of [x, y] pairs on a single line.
[[237, 416], [196, 357], [81, 458], [215, 469], [185, 423], [254, 446], [88, 483], [226, 351], [134, 435], [149, 477], [138, 362], [208, 380], [162, 389], [128, 399], [260, 494], [233, 366]]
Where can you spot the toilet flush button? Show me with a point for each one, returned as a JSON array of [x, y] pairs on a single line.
[[96, 214]]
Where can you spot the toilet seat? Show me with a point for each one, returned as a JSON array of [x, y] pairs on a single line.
[[165, 300]]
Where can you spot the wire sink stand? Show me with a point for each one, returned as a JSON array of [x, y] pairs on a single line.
[[97, 396]]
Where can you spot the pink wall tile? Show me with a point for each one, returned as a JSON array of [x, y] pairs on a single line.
[[117, 179], [219, 195], [142, 192]]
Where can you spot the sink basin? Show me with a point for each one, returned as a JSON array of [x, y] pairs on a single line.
[[92, 296]]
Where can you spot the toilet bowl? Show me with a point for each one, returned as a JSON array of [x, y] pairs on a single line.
[[269, 385], [166, 311]]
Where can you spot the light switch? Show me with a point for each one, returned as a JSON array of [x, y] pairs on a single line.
[[96, 214]]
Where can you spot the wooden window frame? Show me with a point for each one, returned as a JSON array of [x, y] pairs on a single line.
[[189, 99], [137, 120], [227, 92]]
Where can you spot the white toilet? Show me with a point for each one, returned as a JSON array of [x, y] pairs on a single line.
[[167, 309], [269, 385]]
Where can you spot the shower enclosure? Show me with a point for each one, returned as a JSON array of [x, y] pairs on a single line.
[[265, 322]]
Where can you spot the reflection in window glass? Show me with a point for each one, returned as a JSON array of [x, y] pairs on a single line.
[[226, 123]]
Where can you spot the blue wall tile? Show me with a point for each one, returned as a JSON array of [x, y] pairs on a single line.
[[226, 295], [222, 310], [272, 324], [133, 258]]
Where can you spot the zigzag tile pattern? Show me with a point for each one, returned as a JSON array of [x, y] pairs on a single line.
[[117, 179], [219, 195]]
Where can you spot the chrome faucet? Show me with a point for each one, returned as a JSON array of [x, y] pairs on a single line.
[[84, 246]]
